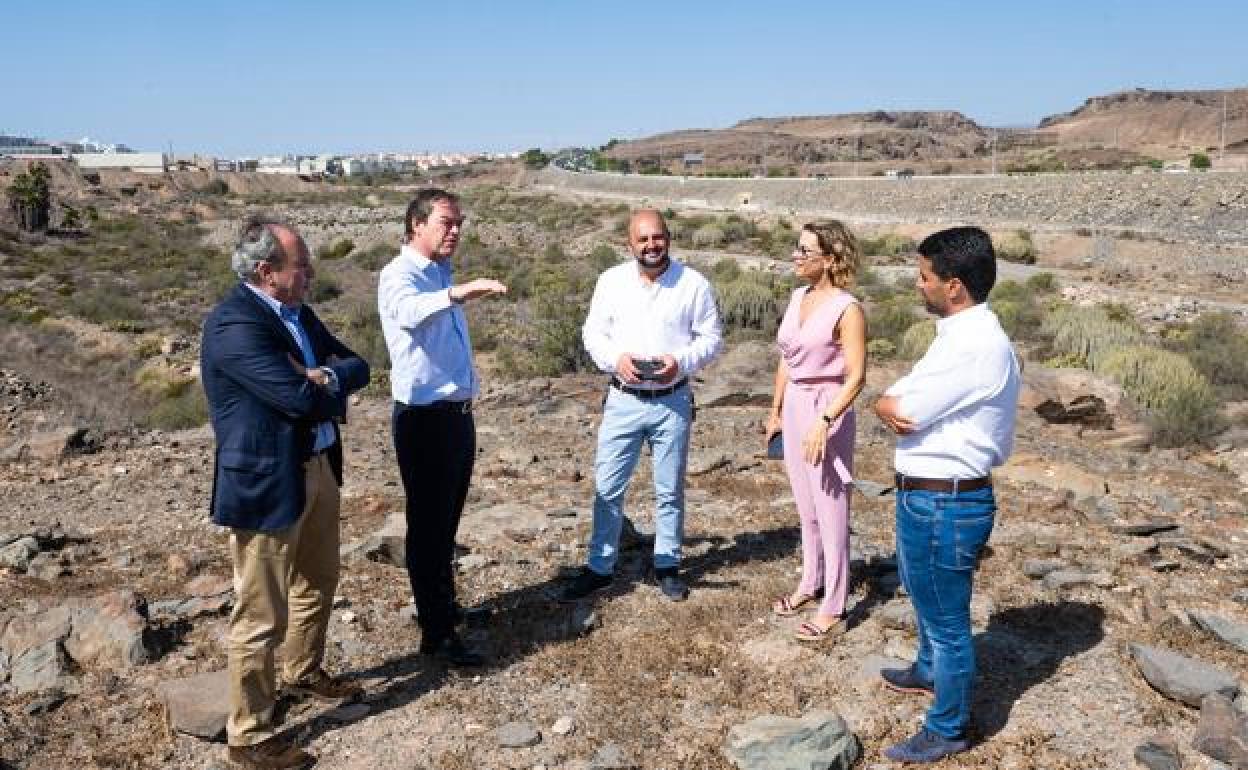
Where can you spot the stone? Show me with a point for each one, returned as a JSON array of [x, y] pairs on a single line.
[[387, 545], [898, 615], [197, 705], [350, 712], [1222, 733], [472, 561], [18, 554], [39, 668], [517, 735], [108, 631], [1038, 568], [1144, 527], [1068, 578], [1181, 678], [46, 703], [1228, 631], [704, 461], [869, 489], [1159, 753], [564, 725], [819, 740], [611, 757]]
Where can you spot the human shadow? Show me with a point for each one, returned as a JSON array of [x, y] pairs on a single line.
[[1024, 646]]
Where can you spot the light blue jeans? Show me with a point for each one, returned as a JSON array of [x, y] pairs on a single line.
[[939, 539], [627, 421]]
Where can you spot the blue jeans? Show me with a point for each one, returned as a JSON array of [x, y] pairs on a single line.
[[627, 421], [939, 538]]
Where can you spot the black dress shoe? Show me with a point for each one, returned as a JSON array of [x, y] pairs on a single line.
[[671, 584], [452, 651]]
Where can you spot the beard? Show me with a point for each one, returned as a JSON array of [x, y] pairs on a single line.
[[653, 261]]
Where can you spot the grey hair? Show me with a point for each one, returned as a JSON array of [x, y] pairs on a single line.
[[256, 244]]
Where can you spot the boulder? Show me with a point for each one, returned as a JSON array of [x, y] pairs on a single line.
[[1184, 679], [108, 631], [387, 545], [1228, 631], [198, 705], [820, 740], [19, 553], [42, 667], [1159, 753], [1222, 733]]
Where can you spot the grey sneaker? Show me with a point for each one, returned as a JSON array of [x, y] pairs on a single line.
[[925, 747], [674, 587], [905, 680]]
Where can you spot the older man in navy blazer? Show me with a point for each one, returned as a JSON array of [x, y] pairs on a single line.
[[277, 382]]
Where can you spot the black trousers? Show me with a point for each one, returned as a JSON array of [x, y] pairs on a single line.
[[435, 446]]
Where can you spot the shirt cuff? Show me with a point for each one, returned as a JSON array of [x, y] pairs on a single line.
[[332, 377]]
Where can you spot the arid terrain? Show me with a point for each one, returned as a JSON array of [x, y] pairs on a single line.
[[1122, 532]]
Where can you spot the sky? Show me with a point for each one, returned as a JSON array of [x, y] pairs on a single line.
[[234, 78]]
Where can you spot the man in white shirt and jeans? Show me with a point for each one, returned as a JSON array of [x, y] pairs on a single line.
[[954, 416], [652, 323]]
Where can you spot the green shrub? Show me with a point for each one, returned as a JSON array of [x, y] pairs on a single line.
[[1015, 247], [889, 320], [1218, 347], [337, 250], [1180, 402], [887, 245], [916, 340], [708, 237], [1200, 161], [1020, 318], [748, 302], [360, 328], [1043, 283], [1088, 333], [602, 257], [881, 348], [725, 271], [325, 288], [1012, 291], [375, 257], [106, 303], [187, 409]]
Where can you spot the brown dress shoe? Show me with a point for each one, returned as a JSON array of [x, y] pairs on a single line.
[[274, 754], [324, 687]]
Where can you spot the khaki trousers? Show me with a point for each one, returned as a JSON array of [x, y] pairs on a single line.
[[284, 586]]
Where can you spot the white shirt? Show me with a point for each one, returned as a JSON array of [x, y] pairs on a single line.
[[675, 315], [426, 333], [962, 396]]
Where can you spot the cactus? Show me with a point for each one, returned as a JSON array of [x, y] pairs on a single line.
[[1180, 402], [708, 236], [748, 303], [1089, 333], [1015, 247]]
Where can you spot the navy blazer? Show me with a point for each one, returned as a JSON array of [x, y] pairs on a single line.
[[264, 413]]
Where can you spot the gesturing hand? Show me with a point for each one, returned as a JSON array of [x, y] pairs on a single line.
[[477, 288]]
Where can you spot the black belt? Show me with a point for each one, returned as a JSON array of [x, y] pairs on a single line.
[[648, 392], [948, 486], [457, 407]]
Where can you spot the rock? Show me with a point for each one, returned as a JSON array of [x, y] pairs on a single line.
[[868, 488], [1144, 527], [564, 725], [45, 704], [387, 545], [819, 740], [1181, 678], [1025, 468], [43, 667], [350, 712], [1159, 753], [109, 630], [1222, 733], [1232, 633], [49, 447], [898, 615], [46, 566], [517, 735], [1068, 578], [704, 461], [471, 562], [1038, 568], [612, 757], [18, 554], [197, 705]]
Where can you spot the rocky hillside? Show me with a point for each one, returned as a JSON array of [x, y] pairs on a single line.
[[1156, 122]]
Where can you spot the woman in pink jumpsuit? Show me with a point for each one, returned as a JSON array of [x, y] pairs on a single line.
[[823, 347]]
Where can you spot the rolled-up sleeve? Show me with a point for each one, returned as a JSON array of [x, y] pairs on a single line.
[[406, 304], [952, 383]]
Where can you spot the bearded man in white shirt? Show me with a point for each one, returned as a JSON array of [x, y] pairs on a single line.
[[954, 416], [652, 323]]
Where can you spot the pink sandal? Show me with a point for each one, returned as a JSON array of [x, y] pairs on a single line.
[[809, 631], [785, 606]]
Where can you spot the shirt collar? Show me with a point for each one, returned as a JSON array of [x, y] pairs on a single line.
[[273, 304], [966, 316], [666, 278], [411, 254]]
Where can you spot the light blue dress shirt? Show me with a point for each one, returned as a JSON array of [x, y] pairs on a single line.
[[290, 319], [426, 333]]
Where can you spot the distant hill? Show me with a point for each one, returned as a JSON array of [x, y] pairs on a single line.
[[1119, 129], [1153, 121]]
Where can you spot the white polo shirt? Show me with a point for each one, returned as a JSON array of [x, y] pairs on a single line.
[[962, 396]]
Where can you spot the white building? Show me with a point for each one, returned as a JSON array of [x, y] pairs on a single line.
[[142, 162]]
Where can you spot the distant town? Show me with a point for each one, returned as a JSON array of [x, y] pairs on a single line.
[[93, 156]]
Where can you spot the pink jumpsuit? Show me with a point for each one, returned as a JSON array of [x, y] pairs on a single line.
[[816, 366]]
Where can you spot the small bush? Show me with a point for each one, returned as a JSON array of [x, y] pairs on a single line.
[[1218, 347], [887, 245], [337, 250], [1200, 161], [1011, 291], [375, 257], [104, 304], [881, 348], [889, 320], [916, 340], [187, 409], [726, 271], [602, 257], [1043, 283], [324, 289], [1015, 247], [748, 302], [1019, 318], [1180, 402], [708, 237]]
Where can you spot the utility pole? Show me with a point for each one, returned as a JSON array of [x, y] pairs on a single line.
[[857, 150], [994, 152], [1222, 130]]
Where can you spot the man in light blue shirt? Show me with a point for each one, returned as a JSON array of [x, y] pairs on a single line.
[[433, 383]]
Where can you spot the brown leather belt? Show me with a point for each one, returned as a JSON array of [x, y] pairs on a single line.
[[948, 486]]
